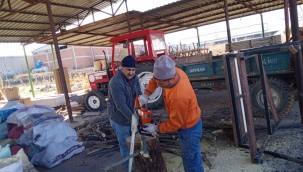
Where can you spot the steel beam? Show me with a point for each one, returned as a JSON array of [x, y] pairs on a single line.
[[28, 72], [227, 26], [298, 57], [61, 72], [286, 16]]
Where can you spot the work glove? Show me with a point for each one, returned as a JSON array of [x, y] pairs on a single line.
[[151, 128], [143, 99]]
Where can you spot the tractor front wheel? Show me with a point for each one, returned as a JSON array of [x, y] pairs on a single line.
[[95, 101]]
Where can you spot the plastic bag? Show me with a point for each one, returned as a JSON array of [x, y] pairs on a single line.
[[4, 114], [13, 104], [11, 165], [5, 152], [52, 131], [20, 115], [3, 130], [55, 153], [35, 119]]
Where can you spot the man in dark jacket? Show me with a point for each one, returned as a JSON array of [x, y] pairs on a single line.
[[123, 89]]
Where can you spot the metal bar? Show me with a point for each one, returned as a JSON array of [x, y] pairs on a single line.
[[1, 6], [264, 92], [26, 22], [31, 13], [248, 112], [93, 15], [240, 93], [298, 57], [227, 26], [286, 16], [286, 157], [20, 29], [61, 72], [262, 25], [118, 7], [198, 37], [9, 5], [28, 72], [111, 6], [233, 108], [25, 36], [84, 17], [268, 91]]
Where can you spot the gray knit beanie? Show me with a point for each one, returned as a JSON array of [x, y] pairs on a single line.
[[164, 68]]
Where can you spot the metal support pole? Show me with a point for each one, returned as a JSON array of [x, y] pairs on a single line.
[[227, 26], [92, 53], [28, 72], [264, 92], [198, 37], [298, 57], [286, 16], [262, 24], [54, 59], [47, 60], [61, 72], [75, 58]]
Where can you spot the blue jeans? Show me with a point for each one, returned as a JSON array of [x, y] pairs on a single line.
[[190, 147], [122, 132]]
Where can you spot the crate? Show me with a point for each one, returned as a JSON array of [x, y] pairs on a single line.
[[11, 93], [260, 42], [26, 101], [99, 65], [59, 84]]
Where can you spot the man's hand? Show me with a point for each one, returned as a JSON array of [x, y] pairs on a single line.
[[151, 128], [143, 100]]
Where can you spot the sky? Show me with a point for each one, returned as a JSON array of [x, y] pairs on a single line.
[[272, 20]]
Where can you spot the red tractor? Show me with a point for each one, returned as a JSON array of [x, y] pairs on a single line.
[[146, 46]]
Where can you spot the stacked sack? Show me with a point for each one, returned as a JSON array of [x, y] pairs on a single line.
[[44, 135]]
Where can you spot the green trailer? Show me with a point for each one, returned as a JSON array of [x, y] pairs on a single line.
[[278, 65]]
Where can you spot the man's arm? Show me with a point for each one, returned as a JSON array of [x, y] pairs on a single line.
[[151, 87], [177, 116], [118, 96]]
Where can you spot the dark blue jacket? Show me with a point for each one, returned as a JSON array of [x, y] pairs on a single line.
[[121, 98]]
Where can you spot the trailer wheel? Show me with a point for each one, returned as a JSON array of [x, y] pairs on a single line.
[[282, 96], [95, 101], [156, 99]]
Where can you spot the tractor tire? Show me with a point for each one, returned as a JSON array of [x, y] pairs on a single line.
[[95, 101], [144, 72], [282, 96], [145, 67]]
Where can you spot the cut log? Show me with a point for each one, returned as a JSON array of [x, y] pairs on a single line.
[[155, 162]]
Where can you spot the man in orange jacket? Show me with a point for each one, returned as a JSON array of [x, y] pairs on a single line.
[[183, 109]]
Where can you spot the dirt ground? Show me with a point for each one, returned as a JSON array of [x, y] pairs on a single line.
[[217, 144]]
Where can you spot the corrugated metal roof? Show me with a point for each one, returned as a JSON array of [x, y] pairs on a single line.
[[23, 20], [170, 18]]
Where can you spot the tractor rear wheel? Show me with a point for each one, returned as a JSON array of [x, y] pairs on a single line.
[[282, 96], [95, 101], [155, 100], [144, 71]]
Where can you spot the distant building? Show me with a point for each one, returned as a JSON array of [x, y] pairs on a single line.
[[14, 65], [73, 57], [243, 37]]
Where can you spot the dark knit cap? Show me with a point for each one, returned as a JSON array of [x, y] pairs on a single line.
[[129, 61]]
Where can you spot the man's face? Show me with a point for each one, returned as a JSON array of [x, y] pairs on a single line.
[[129, 72], [163, 83]]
